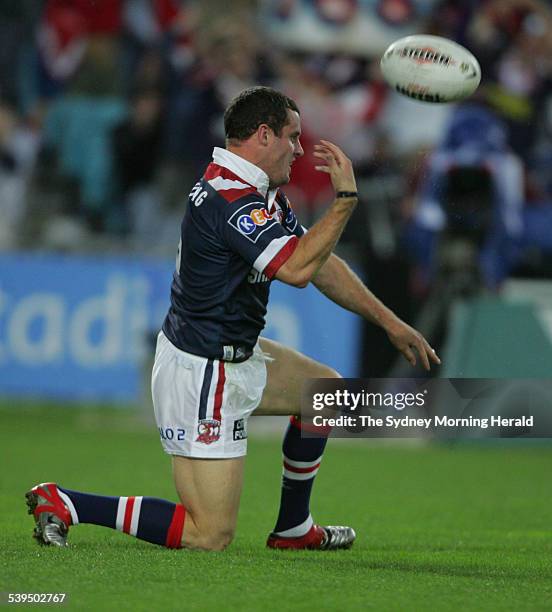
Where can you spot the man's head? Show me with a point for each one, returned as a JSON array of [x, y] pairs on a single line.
[[263, 126]]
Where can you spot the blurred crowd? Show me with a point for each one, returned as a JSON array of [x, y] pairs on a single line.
[[109, 110]]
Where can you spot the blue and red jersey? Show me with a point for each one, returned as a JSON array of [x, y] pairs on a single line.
[[235, 236]]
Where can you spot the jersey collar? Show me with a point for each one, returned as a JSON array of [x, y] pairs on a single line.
[[244, 169]]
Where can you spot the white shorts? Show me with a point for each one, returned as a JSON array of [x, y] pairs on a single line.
[[202, 405]]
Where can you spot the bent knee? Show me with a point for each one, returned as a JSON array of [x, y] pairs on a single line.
[[216, 540], [330, 373]]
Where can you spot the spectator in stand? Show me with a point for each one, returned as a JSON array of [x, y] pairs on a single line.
[[18, 56], [345, 98], [137, 152], [18, 148], [65, 32], [541, 159], [225, 63], [473, 185], [152, 29], [61, 41], [79, 120], [513, 41]]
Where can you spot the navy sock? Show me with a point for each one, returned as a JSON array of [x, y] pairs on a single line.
[[148, 518], [302, 458]]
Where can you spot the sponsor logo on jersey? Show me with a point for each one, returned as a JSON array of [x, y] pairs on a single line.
[[277, 212], [240, 353], [208, 430], [240, 432], [246, 225], [291, 219], [260, 216], [235, 353], [250, 224], [255, 276]]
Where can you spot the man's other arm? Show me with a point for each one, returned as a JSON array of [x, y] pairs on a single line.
[[339, 283]]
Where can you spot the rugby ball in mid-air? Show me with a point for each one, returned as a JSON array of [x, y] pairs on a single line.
[[430, 69]]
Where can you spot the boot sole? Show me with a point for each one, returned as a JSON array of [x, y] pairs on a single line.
[[31, 499]]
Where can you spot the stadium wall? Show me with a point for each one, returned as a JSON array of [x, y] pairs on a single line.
[[83, 328]]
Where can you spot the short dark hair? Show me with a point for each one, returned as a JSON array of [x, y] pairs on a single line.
[[254, 106]]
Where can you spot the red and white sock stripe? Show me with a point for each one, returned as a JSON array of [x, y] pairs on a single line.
[[128, 514], [174, 534], [301, 470], [319, 430]]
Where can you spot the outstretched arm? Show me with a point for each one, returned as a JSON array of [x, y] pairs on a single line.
[[341, 285]]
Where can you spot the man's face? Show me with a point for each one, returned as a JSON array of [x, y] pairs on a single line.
[[283, 151]]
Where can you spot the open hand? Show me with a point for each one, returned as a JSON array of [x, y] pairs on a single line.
[[338, 166], [408, 340]]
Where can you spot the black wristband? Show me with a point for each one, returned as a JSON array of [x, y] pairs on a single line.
[[346, 194]]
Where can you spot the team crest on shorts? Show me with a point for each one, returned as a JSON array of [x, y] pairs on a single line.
[[208, 430]]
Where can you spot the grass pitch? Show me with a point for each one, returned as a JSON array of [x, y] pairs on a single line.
[[439, 527]]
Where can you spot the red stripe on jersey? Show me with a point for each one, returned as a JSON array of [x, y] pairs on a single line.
[[230, 195], [174, 534], [214, 170], [128, 514], [219, 392], [281, 257], [297, 470]]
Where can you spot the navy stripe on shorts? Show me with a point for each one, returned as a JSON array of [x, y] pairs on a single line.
[[207, 377]]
